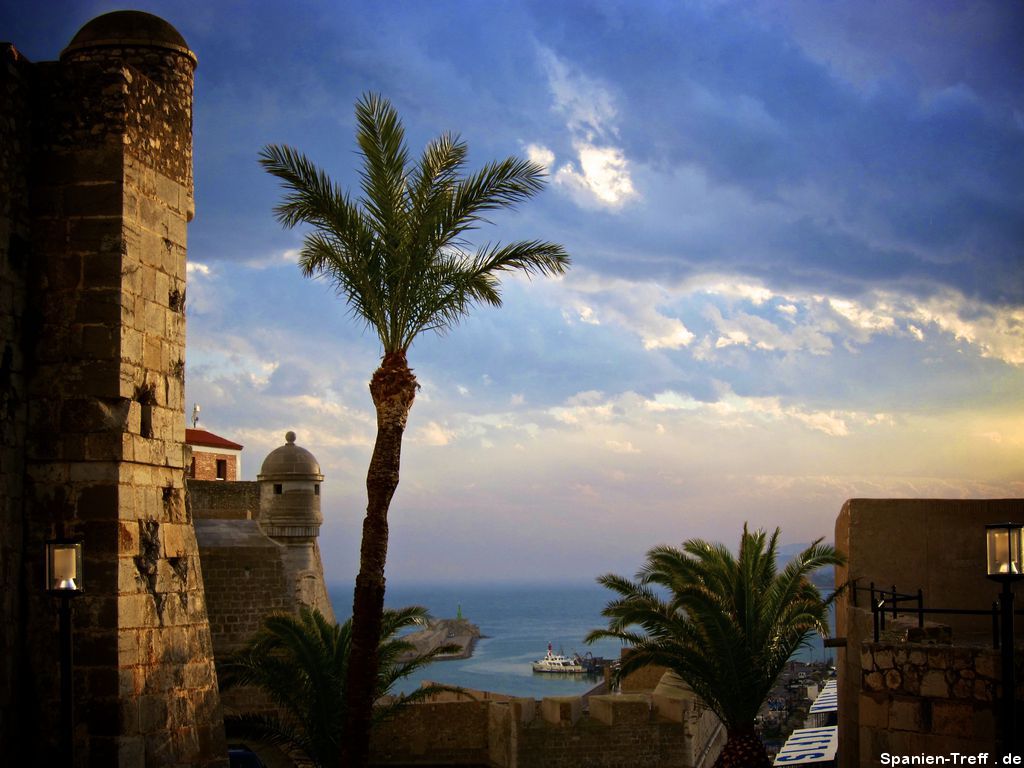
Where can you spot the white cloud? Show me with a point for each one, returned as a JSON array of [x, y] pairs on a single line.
[[586, 103], [997, 332], [740, 315], [735, 411], [599, 175], [873, 319], [621, 446], [628, 304], [666, 333], [433, 433], [603, 177], [541, 155], [756, 294], [289, 256], [584, 408]]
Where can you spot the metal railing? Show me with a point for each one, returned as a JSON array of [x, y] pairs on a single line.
[[889, 602]]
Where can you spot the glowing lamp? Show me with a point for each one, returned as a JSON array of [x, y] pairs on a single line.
[[64, 566]]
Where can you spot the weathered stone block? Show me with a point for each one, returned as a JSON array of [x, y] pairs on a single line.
[[873, 711], [905, 715], [626, 709], [874, 681], [953, 718], [893, 679], [561, 710], [137, 610], [987, 665], [934, 684], [152, 712]]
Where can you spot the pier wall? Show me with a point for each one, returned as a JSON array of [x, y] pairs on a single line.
[[614, 731]]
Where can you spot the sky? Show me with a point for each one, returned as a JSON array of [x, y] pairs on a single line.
[[797, 233]]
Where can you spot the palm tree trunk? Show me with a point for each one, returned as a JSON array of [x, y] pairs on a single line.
[[393, 388]]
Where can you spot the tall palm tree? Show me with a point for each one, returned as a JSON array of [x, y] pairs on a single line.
[[300, 664], [398, 254], [726, 625]]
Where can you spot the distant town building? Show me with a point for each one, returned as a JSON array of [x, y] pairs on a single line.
[[213, 457]]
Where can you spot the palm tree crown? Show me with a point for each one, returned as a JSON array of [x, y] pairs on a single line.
[[398, 254], [300, 663], [725, 624]]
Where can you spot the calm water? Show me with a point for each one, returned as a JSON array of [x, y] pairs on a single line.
[[519, 622]]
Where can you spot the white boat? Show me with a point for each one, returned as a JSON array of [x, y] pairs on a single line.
[[554, 662]]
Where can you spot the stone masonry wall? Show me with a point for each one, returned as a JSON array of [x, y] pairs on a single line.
[[929, 699], [946, 561], [217, 500], [110, 185], [619, 731], [245, 584], [15, 132]]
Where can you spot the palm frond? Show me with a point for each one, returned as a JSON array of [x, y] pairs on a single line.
[[725, 624], [300, 662], [398, 254]]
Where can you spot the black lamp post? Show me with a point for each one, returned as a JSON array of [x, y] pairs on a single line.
[[64, 580], [1005, 546]]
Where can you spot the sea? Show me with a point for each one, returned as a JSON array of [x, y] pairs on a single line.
[[517, 623]]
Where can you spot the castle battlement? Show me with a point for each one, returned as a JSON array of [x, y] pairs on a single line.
[[608, 730]]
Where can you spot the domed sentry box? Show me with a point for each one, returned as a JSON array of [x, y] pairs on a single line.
[[290, 492], [290, 515]]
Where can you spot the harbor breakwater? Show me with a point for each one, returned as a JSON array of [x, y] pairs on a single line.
[[441, 632]]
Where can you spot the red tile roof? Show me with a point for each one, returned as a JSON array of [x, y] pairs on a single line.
[[209, 440]]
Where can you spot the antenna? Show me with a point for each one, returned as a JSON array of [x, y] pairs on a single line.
[[195, 415]]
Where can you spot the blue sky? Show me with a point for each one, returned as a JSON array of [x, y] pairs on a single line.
[[798, 241]]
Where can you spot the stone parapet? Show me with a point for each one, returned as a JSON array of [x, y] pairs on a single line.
[[218, 500], [475, 728], [928, 698]]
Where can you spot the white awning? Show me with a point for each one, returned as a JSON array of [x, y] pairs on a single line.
[[809, 745], [828, 699]]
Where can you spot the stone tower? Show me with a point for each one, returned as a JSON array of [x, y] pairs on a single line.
[[289, 514], [94, 234]]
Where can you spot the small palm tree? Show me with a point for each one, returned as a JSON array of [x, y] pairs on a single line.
[[726, 625], [399, 256], [300, 664]]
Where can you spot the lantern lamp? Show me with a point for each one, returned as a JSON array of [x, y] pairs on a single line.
[[1005, 546], [64, 567]]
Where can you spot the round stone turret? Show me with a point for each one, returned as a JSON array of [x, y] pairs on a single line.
[[128, 29], [290, 492], [154, 112]]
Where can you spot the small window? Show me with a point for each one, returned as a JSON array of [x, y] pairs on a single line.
[[278, 489], [316, 489], [222, 469]]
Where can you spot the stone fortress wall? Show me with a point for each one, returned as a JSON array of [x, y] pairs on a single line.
[[97, 164], [905, 697], [608, 731]]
